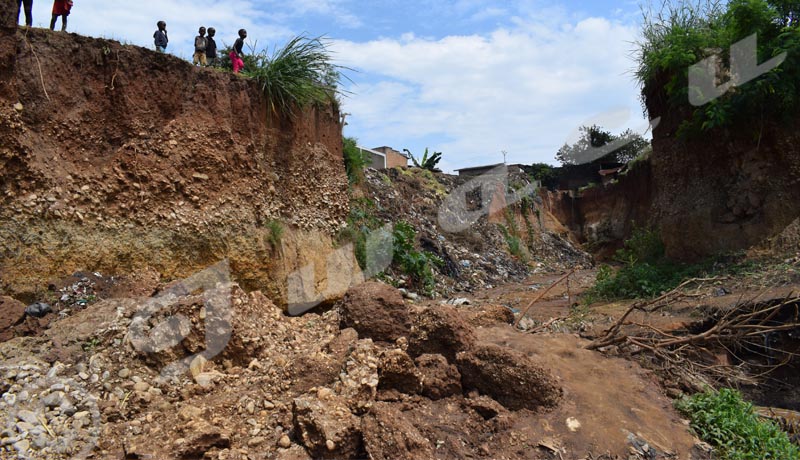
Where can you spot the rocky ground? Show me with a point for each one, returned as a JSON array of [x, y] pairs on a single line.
[[376, 377]]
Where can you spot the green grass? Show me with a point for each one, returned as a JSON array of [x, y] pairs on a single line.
[[728, 423], [644, 272], [299, 74]]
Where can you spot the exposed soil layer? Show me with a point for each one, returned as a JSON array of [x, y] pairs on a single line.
[[115, 158]]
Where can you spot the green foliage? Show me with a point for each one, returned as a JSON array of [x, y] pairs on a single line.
[[296, 75], [682, 34], [355, 160], [90, 345], [426, 162], [594, 137], [360, 223], [275, 228], [416, 264], [645, 272], [730, 425], [543, 172]]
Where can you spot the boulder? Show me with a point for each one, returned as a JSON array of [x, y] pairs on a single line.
[[397, 371], [12, 312], [376, 311], [440, 330], [440, 379], [509, 377]]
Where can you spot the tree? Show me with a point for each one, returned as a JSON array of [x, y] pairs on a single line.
[[596, 145], [789, 11], [426, 162]]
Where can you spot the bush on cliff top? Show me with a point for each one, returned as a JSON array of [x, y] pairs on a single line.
[[299, 74], [684, 33]]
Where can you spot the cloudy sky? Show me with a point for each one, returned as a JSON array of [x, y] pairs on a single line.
[[469, 78]]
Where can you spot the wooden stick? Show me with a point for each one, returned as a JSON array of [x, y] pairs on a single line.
[[540, 295]]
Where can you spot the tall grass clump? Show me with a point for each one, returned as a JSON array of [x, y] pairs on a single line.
[[727, 422], [300, 73]]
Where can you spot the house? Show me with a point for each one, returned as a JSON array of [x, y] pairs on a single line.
[[481, 170], [609, 175], [385, 157]]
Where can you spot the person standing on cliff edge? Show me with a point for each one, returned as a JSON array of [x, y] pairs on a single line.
[[200, 48], [28, 11], [60, 8], [237, 53], [211, 47], [160, 36]]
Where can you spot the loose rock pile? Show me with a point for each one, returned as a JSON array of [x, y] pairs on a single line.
[[308, 387]]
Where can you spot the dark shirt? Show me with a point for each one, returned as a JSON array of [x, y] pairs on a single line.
[[237, 46], [161, 38], [211, 48]]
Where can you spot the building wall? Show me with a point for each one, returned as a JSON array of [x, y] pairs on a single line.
[[394, 159]]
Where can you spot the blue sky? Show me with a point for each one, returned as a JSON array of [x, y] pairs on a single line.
[[470, 78]]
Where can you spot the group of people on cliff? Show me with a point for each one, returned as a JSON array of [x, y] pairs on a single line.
[[61, 8], [205, 47]]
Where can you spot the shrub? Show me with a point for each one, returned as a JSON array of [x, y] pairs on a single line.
[[682, 34], [645, 272], [275, 228], [360, 223], [354, 160], [416, 264], [729, 424]]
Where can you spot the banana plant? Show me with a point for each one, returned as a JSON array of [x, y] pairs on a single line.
[[426, 162]]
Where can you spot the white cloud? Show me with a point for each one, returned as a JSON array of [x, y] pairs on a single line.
[[524, 90]]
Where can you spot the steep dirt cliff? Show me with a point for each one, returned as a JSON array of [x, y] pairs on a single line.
[[115, 158], [728, 190]]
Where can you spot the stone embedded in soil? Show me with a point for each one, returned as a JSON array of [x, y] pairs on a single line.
[[440, 330], [397, 371], [509, 377], [440, 379], [320, 423], [389, 435], [376, 311]]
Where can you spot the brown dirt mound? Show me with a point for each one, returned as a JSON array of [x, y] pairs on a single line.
[[509, 377], [375, 310], [440, 330]]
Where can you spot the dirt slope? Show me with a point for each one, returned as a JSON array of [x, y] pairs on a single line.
[[115, 157]]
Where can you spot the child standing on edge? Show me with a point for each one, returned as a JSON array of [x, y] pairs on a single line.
[[60, 8], [28, 7], [160, 36], [236, 52], [200, 48], [211, 47]]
